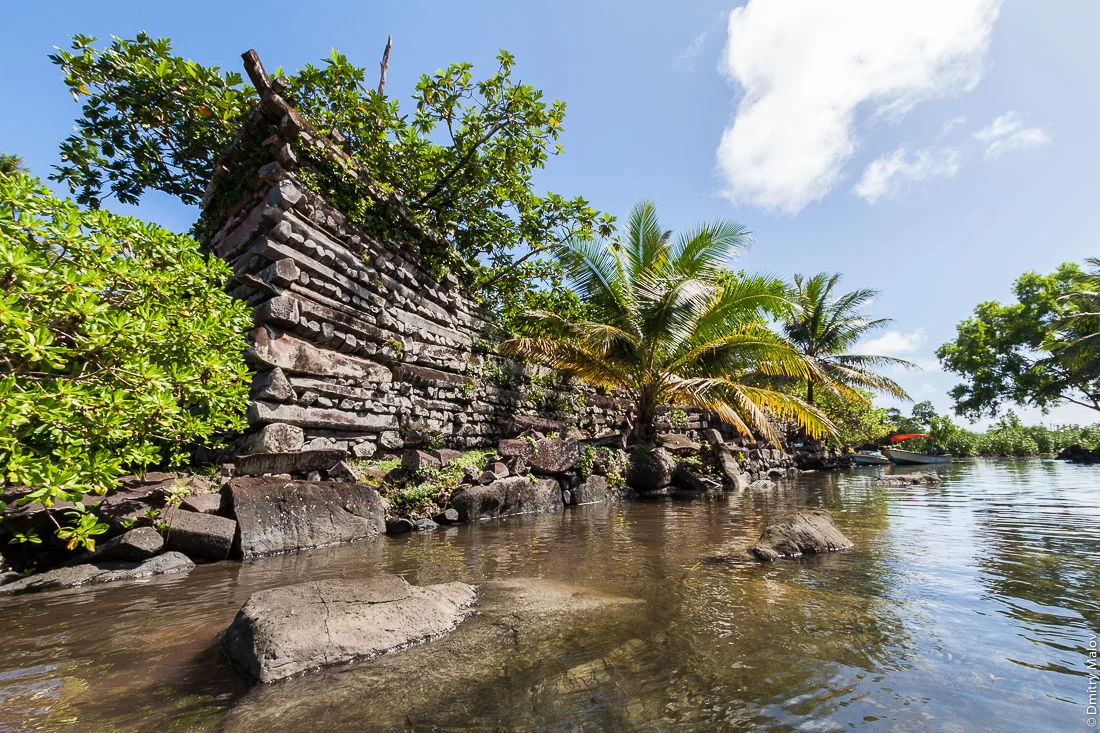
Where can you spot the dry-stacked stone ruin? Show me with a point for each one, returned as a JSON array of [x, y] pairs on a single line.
[[355, 344]]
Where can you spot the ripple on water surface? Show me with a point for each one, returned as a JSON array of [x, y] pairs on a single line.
[[964, 606]]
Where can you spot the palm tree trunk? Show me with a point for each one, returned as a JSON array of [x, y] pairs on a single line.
[[809, 392], [645, 429]]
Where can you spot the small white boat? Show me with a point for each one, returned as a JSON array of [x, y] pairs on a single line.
[[913, 458], [909, 458], [870, 458]]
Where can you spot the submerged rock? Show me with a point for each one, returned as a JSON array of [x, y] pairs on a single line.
[[523, 626], [99, 572], [284, 631], [762, 485], [806, 532], [908, 479]]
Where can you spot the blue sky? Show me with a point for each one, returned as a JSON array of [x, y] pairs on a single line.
[[933, 150]]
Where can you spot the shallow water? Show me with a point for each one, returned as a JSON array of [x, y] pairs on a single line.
[[964, 607]]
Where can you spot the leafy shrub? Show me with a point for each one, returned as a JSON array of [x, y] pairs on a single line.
[[435, 485], [119, 348]]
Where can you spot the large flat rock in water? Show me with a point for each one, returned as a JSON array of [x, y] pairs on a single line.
[[524, 631], [276, 515], [111, 571], [284, 631], [805, 532]]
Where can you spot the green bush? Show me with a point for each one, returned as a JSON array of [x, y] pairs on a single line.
[[119, 348]]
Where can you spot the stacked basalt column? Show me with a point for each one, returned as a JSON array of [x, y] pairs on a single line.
[[354, 344]]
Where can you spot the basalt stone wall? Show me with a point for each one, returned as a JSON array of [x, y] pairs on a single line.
[[355, 345]]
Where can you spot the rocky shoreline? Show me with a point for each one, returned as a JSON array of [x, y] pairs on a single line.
[[271, 503]]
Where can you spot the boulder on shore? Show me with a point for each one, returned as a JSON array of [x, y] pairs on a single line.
[[199, 536], [507, 496], [806, 532], [594, 490], [275, 515], [284, 631], [908, 479], [554, 455], [649, 469], [133, 546]]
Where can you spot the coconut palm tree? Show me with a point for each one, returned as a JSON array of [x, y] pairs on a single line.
[[1074, 339], [667, 323], [11, 164], [825, 326]]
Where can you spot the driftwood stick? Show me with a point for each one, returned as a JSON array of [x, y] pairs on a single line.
[[255, 70], [385, 65]]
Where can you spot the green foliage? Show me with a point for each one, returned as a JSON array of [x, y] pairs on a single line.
[[119, 348], [1037, 351], [463, 159], [82, 530], [669, 325], [617, 461], [856, 418], [11, 164], [1010, 437], [587, 461], [826, 327], [150, 120], [677, 417], [436, 485]]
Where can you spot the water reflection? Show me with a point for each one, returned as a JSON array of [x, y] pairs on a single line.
[[965, 606]]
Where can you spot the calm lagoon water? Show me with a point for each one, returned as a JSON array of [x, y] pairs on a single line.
[[968, 606]]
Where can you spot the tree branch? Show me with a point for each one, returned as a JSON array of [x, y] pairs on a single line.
[[385, 65], [462, 163]]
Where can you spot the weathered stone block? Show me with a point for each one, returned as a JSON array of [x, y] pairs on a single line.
[[512, 495], [594, 490], [258, 464], [554, 455], [133, 546], [203, 503], [261, 413], [446, 455], [296, 356], [275, 438], [417, 460], [276, 516], [515, 447], [366, 449], [390, 439], [199, 536], [272, 385]]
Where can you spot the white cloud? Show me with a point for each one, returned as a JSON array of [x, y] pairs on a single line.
[[885, 177], [806, 66], [691, 53], [1008, 132], [951, 124], [894, 343]]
